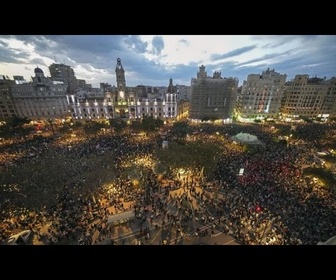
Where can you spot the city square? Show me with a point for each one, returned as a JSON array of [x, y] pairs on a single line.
[[243, 157], [126, 189]]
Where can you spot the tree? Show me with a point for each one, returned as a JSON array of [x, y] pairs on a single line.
[[118, 124], [19, 126], [213, 118], [5, 128], [151, 124], [51, 123], [205, 118], [136, 126], [180, 130], [65, 128], [93, 127]]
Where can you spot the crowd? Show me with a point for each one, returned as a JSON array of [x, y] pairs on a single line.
[[271, 203]]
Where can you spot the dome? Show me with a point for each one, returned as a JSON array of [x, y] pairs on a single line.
[[38, 70]]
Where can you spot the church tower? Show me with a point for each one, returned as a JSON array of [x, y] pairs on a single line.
[[171, 100]]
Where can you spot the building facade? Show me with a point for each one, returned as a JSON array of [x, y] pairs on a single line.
[[40, 99], [7, 109], [64, 73], [309, 98], [212, 97], [261, 95], [125, 103], [86, 107]]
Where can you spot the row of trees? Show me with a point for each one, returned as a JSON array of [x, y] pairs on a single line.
[[19, 127], [147, 124]]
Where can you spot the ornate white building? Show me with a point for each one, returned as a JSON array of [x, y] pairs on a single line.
[[125, 104]]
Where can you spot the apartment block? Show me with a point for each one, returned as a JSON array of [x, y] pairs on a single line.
[[42, 98], [212, 97], [260, 96], [309, 98], [7, 108]]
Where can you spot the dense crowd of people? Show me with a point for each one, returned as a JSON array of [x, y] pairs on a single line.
[[272, 202]]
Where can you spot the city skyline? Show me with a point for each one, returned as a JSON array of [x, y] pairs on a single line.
[[154, 59]]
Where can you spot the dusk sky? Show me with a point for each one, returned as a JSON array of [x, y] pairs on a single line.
[[154, 59]]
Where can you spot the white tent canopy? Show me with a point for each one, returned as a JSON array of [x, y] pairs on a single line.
[[246, 138], [330, 241]]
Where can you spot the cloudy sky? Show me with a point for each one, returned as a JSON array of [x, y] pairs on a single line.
[[154, 59]]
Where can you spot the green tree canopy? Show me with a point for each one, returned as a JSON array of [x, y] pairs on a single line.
[[136, 126], [151, 124], [18, 126], [118, 124], [205, 118], [180, 130], [93, 127]]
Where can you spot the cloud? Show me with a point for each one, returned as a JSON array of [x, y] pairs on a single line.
[[157, 45], [232, 53], [11, 55], [136, 44], [154, 59], [184, 42], [38, 61], [267, 57]]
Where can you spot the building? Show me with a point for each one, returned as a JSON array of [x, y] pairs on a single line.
[[7, 109], [125, 105], [41, 99], [159, 106], [311, 98], [212, 97], [83, 106], [107, 87], [19, 79], [261, 95], [183, 92], [65, 74], [122, 102], [183, 107]]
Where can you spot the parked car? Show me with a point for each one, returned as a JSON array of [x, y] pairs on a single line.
[[21, 238]]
